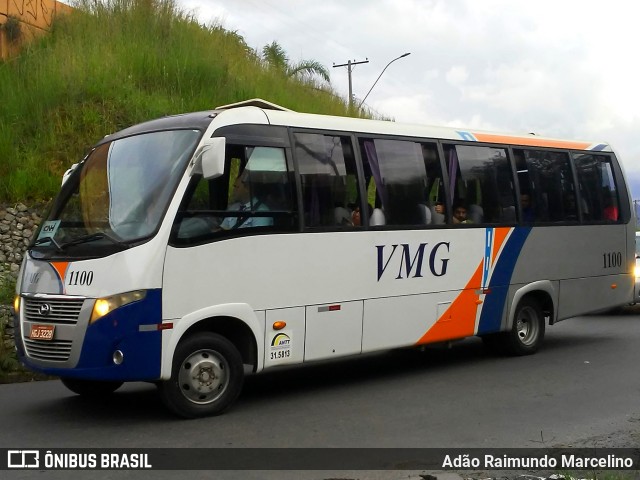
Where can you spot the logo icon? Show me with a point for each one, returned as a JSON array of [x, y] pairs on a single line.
[[44, 309], [23, 459], [281, 340]]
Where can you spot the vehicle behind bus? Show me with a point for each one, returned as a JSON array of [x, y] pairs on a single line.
[[636, 290]]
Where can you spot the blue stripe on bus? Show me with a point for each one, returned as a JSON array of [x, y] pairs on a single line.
[[467, 136], [493, 307], [488, 246], [599, 147]]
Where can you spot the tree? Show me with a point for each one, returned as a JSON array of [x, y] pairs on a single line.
[[275, 56]]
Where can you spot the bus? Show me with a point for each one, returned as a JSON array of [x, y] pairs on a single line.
[[194, 250]]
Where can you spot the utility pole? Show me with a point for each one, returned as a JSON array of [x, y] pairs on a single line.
[[349, 66]]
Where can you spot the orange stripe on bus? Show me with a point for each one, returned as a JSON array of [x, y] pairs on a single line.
[[530, 141], [61, 269], [499, 236], [459, 320]]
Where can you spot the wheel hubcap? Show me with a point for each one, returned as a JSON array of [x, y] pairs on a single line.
[[203, 376], [527, 326]]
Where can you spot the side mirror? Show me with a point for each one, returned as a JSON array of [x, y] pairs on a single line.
[[68, 173], [209, 160]]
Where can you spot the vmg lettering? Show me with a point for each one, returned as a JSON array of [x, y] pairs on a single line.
[[409, 262]]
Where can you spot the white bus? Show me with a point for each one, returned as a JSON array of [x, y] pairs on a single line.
[[193, 250]]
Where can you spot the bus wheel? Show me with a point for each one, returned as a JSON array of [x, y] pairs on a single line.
[[206, 377], [90, 388], [527, 331]]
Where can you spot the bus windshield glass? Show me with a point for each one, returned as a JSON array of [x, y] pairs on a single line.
[[118, 195]]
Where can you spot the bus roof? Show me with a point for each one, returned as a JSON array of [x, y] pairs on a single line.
[[195, 120], [282, 116], [277, 115]]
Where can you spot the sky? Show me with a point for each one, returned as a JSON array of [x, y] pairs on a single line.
[[558, 68]]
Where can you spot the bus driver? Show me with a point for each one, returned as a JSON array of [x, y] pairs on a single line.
[[243, 202]]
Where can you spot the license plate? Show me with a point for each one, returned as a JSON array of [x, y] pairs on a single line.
[[42, 332]]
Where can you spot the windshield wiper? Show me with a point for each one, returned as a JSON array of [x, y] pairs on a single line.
[[92, 237], [45, 239]]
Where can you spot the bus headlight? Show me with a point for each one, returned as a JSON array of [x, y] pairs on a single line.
[[109, 304], [636, 271]]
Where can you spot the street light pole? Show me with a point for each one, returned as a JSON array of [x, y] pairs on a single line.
[[383, 70]]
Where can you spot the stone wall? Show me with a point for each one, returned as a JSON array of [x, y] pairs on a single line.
[[18, 223]]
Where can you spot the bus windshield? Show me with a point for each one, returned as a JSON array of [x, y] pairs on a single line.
[[118, 195]]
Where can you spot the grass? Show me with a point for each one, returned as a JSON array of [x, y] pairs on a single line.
[[7, 290], [8, 360], [113, 63]]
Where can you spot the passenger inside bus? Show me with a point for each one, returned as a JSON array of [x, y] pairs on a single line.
[[528, 214], [460, 214], [356, 219], [351, 217]]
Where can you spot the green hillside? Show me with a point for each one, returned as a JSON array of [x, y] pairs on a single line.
[[114, 63]]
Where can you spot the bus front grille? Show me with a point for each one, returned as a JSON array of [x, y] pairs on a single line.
[[52, 350], [54, 311]]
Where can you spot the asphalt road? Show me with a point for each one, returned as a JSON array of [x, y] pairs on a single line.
[[581, 389]]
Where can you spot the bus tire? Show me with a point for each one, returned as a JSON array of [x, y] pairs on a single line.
[[527, 331], [90, 388], [206, 376]]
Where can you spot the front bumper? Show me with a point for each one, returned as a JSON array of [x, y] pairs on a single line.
[[82, 350]]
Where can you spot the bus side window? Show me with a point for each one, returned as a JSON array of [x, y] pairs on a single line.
[[329, 180], [253, 193], [598, 192], [400, 172], [533, 206], [547, 192], [268, 192], [195, 219], [481, 183], [434, 196]]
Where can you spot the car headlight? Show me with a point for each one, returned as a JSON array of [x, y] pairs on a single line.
[[108, 304], [16, 304], [636, 271]]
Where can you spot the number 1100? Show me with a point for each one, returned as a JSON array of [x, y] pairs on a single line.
[[612, 259], [80, 278]]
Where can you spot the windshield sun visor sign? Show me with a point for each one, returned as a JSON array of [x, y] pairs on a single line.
[[49, 229]]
